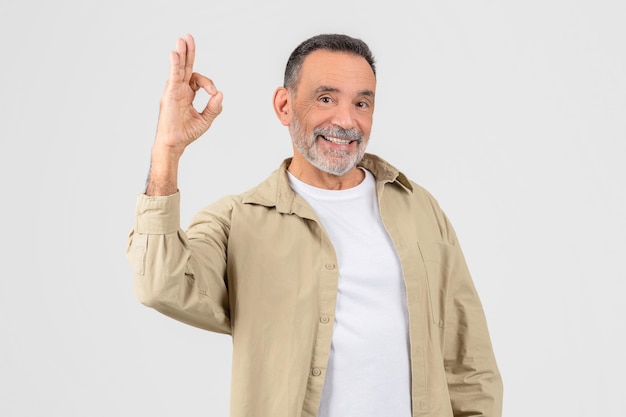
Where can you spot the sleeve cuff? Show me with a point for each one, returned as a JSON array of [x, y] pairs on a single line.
[[157, 215]]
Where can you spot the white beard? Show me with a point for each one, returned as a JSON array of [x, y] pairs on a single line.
[[335, 162]]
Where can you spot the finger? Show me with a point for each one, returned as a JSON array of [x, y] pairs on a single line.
[[174, 67], [213, 107], [199, 81], [181, 50], [190, 44]]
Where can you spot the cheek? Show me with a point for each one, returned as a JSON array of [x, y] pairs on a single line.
[[365, 124], [316, 119], [306, 110]]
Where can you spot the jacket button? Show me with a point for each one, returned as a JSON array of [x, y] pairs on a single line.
[[329, 266], [324, 319], [316, 372]]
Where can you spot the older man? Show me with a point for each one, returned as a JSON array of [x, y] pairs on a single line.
[[341, 281]]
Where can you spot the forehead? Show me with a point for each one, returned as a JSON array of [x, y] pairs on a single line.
[[341, 70]]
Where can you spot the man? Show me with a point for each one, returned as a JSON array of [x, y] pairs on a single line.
[[341, 282]]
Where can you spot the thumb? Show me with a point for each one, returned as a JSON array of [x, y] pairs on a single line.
[[213, 107]]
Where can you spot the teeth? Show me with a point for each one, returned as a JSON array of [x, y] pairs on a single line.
[[337, 140]]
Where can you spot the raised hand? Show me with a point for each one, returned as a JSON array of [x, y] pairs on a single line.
[[179, 122]]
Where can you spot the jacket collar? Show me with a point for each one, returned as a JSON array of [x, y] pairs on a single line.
[[276, 191]]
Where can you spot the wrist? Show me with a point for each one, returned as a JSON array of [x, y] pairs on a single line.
[[163, 177]]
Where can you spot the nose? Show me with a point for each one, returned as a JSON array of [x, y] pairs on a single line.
[[344, 116]]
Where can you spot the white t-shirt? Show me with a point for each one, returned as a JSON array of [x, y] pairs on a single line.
[[368, 373]]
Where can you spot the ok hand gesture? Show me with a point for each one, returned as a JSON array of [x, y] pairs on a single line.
[[179, 122]]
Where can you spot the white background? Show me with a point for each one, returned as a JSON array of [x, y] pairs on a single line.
[[511, 113]]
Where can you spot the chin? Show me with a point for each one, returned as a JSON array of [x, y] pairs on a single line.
[[337, 169]]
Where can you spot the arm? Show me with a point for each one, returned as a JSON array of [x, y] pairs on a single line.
[[167, 275], [474, 381], [179, 123]]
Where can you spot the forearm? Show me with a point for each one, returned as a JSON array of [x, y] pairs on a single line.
[[163, 176], [170, 286], [474, 381], [179, 278]]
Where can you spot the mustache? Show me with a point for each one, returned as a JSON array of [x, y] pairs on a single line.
[[339, 132]]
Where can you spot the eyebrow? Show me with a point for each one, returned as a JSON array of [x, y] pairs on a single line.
[[327, 89]]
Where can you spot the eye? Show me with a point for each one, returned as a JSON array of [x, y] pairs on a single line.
[[326, 99], [363, 105]]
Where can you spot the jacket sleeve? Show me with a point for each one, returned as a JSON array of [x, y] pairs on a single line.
[[181, 275], [474, 380]]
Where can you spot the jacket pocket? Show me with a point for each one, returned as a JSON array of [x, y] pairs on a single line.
[[434, 256]]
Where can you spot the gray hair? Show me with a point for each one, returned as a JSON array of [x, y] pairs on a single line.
[[330, 42]]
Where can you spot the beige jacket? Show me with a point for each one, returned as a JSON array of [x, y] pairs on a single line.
[[259, 266]]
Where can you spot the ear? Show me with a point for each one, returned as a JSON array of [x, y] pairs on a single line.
[[282, 105]]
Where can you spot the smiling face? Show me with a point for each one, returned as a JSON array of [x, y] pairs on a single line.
[[329, 115]]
